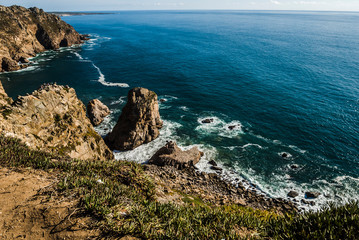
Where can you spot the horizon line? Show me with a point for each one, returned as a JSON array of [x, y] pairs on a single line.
[[266, 10]]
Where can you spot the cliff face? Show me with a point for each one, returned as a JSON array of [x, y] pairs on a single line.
[[52, 119], [26, 32], [4, 99]]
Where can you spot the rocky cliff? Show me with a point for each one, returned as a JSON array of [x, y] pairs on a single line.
[[52, 119], [139, 122], [26, 32], [4, 99]]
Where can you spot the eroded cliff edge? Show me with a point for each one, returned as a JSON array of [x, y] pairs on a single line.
[[26, 32], [53, 119]]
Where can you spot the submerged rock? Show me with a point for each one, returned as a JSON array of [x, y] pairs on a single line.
[[139, 122], [172, 155], [312, 194], [293, 194], [294, 166], [96, 111], [216, 168], [213, 163], [53, 119], [208, 120]]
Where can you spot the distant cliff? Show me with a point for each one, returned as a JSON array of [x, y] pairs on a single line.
[[26, 32]]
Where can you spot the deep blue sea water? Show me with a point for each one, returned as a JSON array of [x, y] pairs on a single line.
[[288, 81]]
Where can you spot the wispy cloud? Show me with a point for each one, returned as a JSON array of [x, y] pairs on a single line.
[[309, 3], [275, 2]]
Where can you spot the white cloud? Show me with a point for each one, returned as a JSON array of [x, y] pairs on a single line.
[[309, 3], [275, 2]]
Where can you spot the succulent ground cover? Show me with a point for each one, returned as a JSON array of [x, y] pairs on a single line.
[[122, 199]]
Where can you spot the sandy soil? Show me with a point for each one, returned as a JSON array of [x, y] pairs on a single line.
[[27, 213]]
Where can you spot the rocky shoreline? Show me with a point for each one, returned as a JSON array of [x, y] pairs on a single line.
[[54, 120], [173, 170], [210, 188]]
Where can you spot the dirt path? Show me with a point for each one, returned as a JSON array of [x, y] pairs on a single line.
[[26, 214]]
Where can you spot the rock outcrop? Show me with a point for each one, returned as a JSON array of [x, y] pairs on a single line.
[[139, 122], [312, 194], [52, 119], [4, 99], [96, 111], [293, 194], [172, 155], [26, 32]]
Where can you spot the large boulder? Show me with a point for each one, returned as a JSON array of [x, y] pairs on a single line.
[[53, 119], [96, 111], [293, 194], [312, 194], [172, 155], [139, 122]]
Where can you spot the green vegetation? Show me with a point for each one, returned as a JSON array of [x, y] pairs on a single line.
[[332, 222], [123, 197]]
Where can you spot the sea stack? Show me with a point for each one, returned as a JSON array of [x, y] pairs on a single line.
[[96, 111], [139, 122]]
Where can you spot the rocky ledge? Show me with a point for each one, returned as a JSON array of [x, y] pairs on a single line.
[[174, 172], [53, 119], [26, 32], [209, 188], [172, 155]]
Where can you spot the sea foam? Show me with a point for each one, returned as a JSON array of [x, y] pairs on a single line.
[[144, 152], [121, 100], [219, 127], [101, 78]]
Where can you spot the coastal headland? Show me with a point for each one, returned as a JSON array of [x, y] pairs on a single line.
[[26, 32], [59, 179]]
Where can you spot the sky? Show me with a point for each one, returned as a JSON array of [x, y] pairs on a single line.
[[103, 5]]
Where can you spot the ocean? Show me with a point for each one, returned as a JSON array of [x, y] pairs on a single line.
[[286, 82]]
